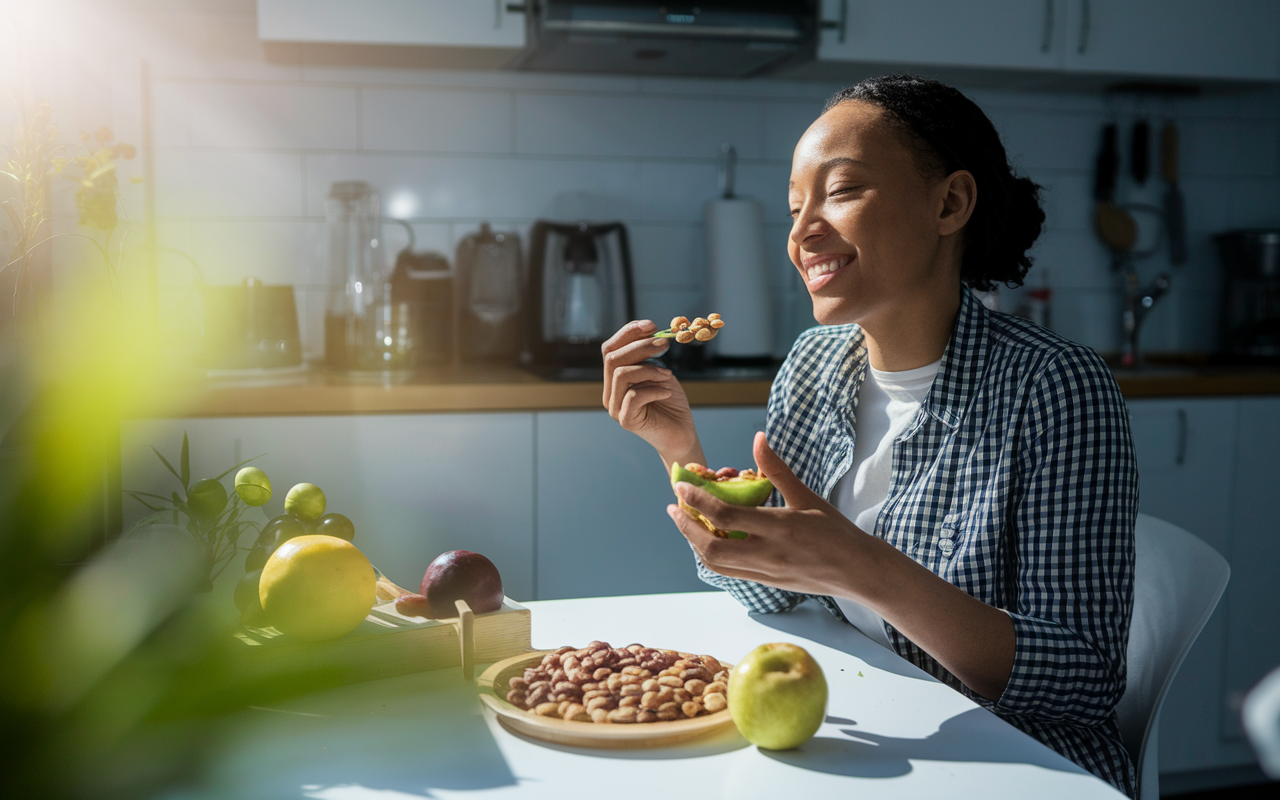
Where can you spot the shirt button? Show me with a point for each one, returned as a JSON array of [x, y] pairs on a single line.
[[947, 547], [947, 533]]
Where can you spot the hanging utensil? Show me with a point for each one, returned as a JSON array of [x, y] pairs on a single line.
[[1140, 152], [1115, 227], [1174, 204]]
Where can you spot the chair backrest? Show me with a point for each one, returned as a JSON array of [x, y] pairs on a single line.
[[1178, 581]]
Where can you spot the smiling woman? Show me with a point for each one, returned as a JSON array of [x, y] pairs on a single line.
[[957, 483]]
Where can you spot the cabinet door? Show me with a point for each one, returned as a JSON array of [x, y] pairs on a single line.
[[449, 23], [602, 494], [1186, 455], [414, 485], [977, 33], [1175, 38], [1253, 628]]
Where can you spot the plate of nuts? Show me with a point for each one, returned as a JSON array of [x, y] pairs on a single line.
[[602, 696]]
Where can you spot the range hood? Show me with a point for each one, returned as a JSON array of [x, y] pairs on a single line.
[[717, 38]]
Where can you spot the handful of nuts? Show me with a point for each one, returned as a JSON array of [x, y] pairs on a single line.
[[624, 685], [700, 330]]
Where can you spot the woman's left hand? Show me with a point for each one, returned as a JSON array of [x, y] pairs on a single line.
[[808, 546]]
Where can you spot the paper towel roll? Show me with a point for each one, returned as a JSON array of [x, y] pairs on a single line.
[[738, 277]]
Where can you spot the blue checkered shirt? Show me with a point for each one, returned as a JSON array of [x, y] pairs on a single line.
[[1017, 483]]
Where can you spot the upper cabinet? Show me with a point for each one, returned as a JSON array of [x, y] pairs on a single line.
[[1119, 39], [438, 23], [1222, 39], [1020, 34]]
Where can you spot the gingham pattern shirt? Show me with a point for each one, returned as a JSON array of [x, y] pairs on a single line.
[[1017, 483]]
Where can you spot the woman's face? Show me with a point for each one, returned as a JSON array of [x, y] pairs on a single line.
[[866, 235]]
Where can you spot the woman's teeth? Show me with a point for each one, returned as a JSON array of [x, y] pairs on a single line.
[[815, 271]]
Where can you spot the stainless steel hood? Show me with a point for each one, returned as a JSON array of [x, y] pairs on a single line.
[[719, 38]]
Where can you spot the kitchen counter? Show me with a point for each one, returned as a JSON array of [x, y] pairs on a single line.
[[512, 389]]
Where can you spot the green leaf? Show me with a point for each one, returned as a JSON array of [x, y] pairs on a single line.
[[186, 462], [167, 465], [238, 466], [144, 502], [14, 219]]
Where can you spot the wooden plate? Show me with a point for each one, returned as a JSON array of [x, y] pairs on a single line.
[[493, 693]]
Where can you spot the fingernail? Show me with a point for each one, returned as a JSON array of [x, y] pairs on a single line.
[[659, 342], [646, 325]]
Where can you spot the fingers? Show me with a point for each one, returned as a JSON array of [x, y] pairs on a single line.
[[725, 516], [631, 410], [630, 345], [792, 489], [636, 376], [723, 556]]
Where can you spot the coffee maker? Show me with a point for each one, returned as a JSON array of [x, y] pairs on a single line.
[[1250, 321], [580, 274]]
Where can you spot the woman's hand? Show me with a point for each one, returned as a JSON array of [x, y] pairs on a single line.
[[647, 399], [808, 546]]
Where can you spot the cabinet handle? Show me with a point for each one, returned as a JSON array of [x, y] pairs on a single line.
[[839, 25], [1085, 24], [1180, 453], [1046, 38]]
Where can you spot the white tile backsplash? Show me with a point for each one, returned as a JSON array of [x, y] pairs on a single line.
[[247, 148], [437, 121]]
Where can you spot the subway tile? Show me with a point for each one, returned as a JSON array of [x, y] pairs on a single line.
[[766, 183], [1090, 317], [636, 126], [436, 121], [1067, 199], [754, 88], [476, 188], [1071, 260], [668, 255], [1048, 140], [270, 250], [255, 116], [175, 264], [785, 123], [660, 304], [1243, 148], [1255, 203], [198, 44], [244, 184], [500, 79], [676, 191]]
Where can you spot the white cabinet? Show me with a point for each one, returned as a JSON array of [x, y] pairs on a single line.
[[441, 23], [1187, 467], [414, 485], [602, 495], [1227, 39], [1172, 39], [1253, 627], [1025, 34]]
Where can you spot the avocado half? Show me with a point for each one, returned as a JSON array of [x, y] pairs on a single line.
[[739, 491]]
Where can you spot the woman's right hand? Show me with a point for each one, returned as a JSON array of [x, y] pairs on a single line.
[[646, 399]]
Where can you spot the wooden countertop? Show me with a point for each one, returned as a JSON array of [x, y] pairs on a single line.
[[511, 389]]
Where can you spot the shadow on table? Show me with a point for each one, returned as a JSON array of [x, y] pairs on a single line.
[[812, 621], [969, 736], [414, 735]]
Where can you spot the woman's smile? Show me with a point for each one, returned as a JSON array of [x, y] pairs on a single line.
[[821, 268]]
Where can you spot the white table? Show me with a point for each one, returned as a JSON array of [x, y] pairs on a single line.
[[891, 730]]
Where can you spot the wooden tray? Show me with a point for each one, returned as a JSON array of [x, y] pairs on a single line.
[[493, 693], [386, 644]]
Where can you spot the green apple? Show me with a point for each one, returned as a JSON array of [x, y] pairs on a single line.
[[778, 696]]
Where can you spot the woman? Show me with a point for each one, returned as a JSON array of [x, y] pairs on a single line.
[[958, 483]]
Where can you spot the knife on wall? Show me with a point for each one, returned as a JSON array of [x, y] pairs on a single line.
[[1175, 212]]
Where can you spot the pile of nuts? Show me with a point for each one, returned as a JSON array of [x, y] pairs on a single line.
[[602, 684], [703, 330], [722, 474]]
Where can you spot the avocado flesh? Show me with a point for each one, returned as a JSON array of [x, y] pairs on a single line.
[[737, 491]]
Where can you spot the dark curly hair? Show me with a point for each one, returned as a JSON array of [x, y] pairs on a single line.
[[946, 131]]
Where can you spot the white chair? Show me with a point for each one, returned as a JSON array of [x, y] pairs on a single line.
[[1178, 581]]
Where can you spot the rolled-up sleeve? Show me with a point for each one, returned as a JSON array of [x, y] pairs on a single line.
[[1073, 522]]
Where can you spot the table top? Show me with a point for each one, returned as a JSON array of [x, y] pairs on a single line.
[[891, 730]]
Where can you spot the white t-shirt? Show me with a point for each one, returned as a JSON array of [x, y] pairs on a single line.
[[887, 405]]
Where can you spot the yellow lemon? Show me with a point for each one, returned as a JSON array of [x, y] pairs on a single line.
[[315, 588]]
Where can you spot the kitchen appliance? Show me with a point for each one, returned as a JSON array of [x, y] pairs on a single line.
[[489, 323], [738, 272], [580, 277], [715, 38], [1250, 320], [251, 325], [422, 291], [356, 280]]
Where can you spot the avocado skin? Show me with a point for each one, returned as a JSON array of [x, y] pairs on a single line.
[[737, 491]]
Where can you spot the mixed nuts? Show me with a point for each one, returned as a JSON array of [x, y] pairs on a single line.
[[700, 330]]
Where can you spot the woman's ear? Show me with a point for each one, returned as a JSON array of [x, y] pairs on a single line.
[[959, 194]]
